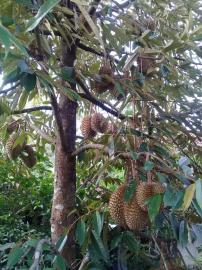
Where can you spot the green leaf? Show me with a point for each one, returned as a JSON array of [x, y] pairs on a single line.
[[129, 191], [14, 257], [71, 94], [130, 241], [103, 251], [197, 207], [23, 100], [119, 88], [42, 12], [6, 246], [134, 155], [90, 21], [8, 38], [60, 263], [148, 166], [199, 192], [68, 74], [116, 240], [154, 204], [97, 222], [183, 234], [28, 81], [81, 232], [188, 196]]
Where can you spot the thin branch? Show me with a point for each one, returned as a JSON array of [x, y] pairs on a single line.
[[90, 146], [162, 256], [89, 49], [97, 102], [33, 109], [37, 254], [84, 261], [58, 119], [4, 92]]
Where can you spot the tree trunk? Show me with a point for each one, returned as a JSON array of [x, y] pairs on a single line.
[[65, 166]]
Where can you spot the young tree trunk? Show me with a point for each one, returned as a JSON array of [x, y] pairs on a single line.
[[65, 166]]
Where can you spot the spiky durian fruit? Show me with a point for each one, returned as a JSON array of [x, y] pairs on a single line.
[[135, 218], [143, 192], [13, 151], [12, 126], [146, 190], [112, 128], [99, 123], [145, 63], [28, 156], [86, 129], [105, 69], [116, 206]]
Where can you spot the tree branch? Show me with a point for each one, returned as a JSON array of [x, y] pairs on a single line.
[[4, 92], [33, 109], [96, 101], [37, 254], [58, 119]]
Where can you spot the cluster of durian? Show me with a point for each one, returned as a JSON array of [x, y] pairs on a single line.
[[23, 150], [133, 214], [96, 123], [105, 80]]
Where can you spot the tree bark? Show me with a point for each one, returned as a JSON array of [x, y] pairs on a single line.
[[65, 166]]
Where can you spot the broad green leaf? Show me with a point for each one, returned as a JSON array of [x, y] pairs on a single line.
[[81, 232], [116, 240], [154, 204], [8, 38], [199, 192], [90, 22], [60, 263], [102, 249], [130, 241], [188, 196], [97, 222], [197, 207], [134, 155], [14, 257], [148, 166], [119, 88], [42, 12], [6, 246], [28, 81], [183, 234], [129, 191], [23, 100], [68, 74]]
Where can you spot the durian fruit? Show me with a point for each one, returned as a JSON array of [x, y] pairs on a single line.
[[28, 156], [146, 190], [105, 69], [112, 128], [11, 151], [86, 129], [145, 62], [99, 123], [12, 127], [116, 206], [101, 83], [150, 24], [135, 218], [158, 188]]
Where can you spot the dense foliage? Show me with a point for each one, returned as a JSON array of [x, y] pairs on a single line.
[[150, 90]]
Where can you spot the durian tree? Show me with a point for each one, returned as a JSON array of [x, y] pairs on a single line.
[[104, 85]]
